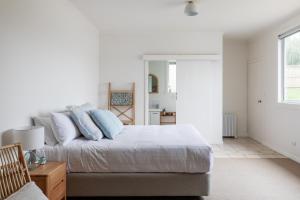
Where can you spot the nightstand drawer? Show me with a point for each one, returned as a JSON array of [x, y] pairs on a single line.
[[57, 177], [59, 191]]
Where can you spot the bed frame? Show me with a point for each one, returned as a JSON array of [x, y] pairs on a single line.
[[137, 184]]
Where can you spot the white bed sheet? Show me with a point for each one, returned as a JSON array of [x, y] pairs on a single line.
[[174, 148]]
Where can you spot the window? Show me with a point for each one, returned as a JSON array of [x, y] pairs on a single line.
[[289, 78], [172, 77]]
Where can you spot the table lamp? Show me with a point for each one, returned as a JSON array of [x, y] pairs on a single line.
[[31, 138]]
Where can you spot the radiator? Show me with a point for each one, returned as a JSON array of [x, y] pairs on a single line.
[[229, 125]]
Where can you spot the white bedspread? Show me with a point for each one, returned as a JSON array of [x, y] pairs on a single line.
[[179, 148]]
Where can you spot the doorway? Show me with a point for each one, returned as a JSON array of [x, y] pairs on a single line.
[[162, 92], [198, 96]]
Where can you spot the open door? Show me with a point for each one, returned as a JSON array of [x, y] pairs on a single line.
[[199, 97]]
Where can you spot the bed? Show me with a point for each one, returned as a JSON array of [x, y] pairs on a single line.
[[170, 160]]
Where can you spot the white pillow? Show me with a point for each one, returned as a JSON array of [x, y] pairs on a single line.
[[28, 191], [84, 107], [46, 123], [63, 128]]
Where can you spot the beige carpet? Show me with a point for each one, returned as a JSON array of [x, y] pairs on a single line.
[[248, 179], [243, 148], [255, 179]]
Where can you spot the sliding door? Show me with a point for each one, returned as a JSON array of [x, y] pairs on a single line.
[[199, 97]]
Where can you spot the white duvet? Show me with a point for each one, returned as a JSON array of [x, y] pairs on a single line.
[[178, 148]]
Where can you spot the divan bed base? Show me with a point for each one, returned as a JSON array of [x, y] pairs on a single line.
[[137, 184]]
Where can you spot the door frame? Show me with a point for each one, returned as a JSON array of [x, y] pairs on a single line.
[[157, 57]]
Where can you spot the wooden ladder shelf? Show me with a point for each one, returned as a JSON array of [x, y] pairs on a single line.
[[122, 103]]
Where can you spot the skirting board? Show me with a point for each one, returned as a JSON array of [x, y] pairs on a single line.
[[137, 184], [279, 150]]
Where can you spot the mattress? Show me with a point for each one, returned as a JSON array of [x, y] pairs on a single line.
[[171, 148]]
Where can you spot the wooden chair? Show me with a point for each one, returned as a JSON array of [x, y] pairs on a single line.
[[13, 170]]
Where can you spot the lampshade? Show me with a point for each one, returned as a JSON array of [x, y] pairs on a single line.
[[31, 137], [191, 9]]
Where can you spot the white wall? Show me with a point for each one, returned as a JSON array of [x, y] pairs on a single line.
[[274, 124], [49, 58], [164, 98], [235, 53], [121, 57]]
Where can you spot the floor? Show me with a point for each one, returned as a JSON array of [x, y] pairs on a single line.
[[245, 170], [243, 148], [255, 179]]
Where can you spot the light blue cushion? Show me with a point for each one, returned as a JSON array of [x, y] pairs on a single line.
[[86, 125], [108, 122]]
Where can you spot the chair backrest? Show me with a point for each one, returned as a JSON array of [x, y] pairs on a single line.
[[13, 170]]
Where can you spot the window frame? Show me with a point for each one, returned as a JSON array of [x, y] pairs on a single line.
[[281, 65]]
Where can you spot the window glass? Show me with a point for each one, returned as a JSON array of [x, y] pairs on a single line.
[[291, 77], [172, 77]]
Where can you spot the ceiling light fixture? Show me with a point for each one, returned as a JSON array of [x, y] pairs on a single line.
[[191, 8]]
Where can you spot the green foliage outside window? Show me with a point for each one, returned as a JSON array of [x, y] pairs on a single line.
[[293, 49]]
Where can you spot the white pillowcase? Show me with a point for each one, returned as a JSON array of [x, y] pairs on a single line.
[[63, 128], [46, 123], [84, 107], [28, 191]]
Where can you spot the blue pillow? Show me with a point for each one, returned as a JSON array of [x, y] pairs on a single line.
[[86, 125], [108, 122]]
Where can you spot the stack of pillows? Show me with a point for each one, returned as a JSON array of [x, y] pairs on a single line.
[[93, 124]]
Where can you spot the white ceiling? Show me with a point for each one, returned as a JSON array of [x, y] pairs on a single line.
[[236, 18]]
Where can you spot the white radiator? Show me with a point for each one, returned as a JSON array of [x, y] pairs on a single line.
[[229, 125]]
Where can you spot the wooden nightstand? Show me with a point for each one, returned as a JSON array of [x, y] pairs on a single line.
[[51, 178]]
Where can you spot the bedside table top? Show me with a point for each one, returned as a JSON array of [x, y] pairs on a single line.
[[47, 169]]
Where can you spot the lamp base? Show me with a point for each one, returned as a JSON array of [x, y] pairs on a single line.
[[32, 167], [34, 159], [31, 158]]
